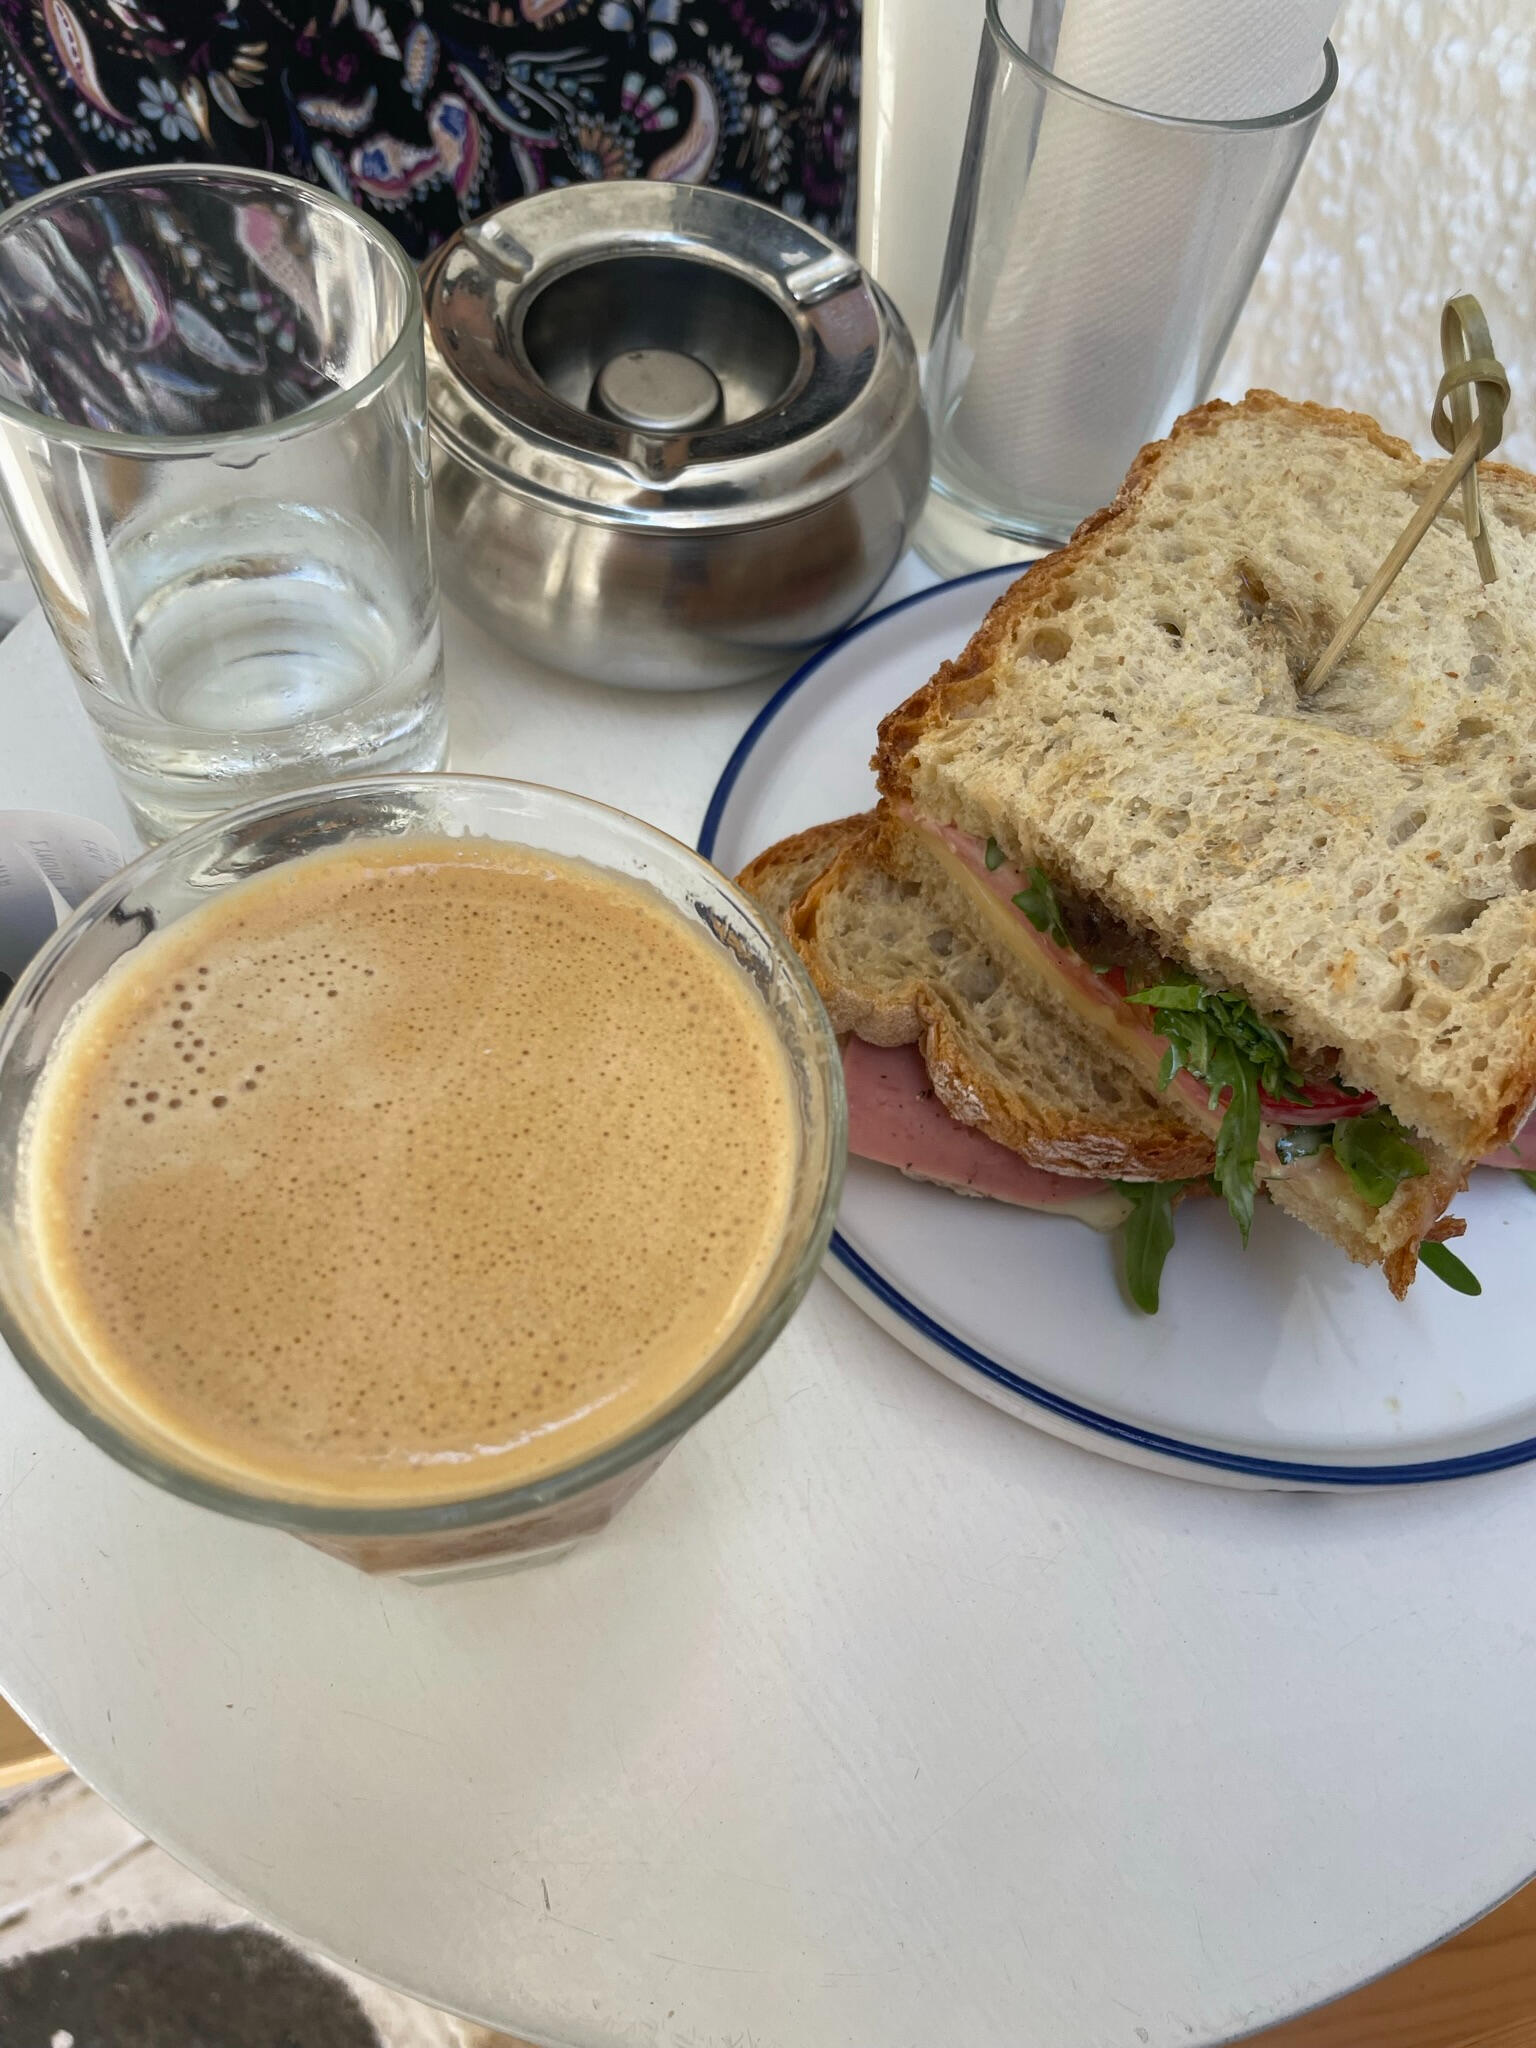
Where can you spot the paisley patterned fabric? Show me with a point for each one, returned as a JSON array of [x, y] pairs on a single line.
[[427, 112]]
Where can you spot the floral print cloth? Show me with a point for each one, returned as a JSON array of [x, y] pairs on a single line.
[[427, 112]]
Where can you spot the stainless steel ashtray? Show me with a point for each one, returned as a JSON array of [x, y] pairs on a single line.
[[677, 437]]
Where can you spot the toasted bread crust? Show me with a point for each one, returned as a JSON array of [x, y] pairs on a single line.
[[1142, 1143], [960, 685], [1466, 1116], [1404, 1262], [781, 874]]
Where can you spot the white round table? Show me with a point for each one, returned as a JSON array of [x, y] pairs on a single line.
[[875, 1719]]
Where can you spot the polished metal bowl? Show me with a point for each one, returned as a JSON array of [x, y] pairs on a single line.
[[677, 437]]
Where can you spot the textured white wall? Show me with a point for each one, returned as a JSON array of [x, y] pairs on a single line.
[[1421, 183]]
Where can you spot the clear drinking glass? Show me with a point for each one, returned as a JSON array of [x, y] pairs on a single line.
[[1098, 258], [478, 1532], [213, 450]]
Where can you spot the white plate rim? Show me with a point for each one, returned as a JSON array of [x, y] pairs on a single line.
[[923, 1333]]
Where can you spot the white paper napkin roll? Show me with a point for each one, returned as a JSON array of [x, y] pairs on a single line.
[[1092, 289], [1205, 60]]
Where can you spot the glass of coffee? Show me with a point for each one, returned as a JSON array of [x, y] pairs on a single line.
[[408, 1163]]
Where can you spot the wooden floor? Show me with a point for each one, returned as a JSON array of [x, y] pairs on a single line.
[[1478, 1991], [22, 1756]]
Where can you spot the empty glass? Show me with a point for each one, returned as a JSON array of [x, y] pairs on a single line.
[[1098, 258], [213, 449]]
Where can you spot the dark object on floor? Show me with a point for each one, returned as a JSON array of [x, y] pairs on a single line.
[[180, 1987]]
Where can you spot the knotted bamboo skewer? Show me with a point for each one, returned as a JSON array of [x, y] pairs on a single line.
[[1469, 364]]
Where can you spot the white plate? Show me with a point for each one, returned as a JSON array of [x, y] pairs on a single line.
[[1281, 1366]]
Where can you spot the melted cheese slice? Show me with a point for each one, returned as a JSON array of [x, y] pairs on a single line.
[[1087, 994]]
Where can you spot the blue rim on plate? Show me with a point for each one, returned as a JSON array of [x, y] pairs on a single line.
[[918, 1320]]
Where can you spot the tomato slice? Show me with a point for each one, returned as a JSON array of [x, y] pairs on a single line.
[[1322, 1102]]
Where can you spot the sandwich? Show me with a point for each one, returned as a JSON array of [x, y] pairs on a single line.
[[962, 1072], [1303, 920], [961, 1067]]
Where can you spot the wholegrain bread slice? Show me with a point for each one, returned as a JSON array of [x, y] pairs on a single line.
[[777, 879], [1133, 717], [900, 956]]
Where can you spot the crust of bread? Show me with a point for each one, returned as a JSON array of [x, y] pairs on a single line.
[[776, 878], [1403, 1264], [960, 685], [1389, 1237], [1054, 1126], [1465, 1113]]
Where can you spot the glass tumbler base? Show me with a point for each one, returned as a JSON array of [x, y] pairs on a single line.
[[161, 805], [956, 538]]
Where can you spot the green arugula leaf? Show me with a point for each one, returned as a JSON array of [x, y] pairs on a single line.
[[1039, 905], [1528, 1178], [1173, 995], [1192, 1017], [1237, 1142], [1378, 1155], [1445, 1265], [994, 856], [1261, 1044], [1220, 1038], [1148, 1236]]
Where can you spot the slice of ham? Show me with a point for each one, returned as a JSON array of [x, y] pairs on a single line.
[[1518, 1156], [895, 1119]]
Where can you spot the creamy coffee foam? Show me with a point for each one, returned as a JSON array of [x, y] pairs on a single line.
[[411, 1169]]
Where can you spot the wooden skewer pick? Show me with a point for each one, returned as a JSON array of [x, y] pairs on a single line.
[[1469, 361]]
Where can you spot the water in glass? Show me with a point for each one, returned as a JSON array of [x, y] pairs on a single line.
[[261, 646]]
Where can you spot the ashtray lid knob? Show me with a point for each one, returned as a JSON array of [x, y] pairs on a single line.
[[657, 390]]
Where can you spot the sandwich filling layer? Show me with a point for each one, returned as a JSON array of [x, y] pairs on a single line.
[[895, 1118], [1232, 1075]]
